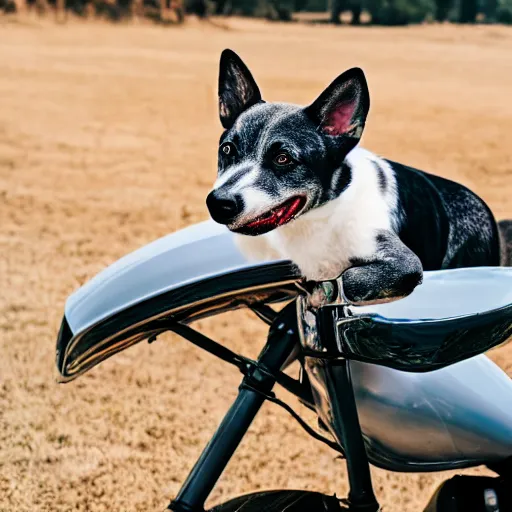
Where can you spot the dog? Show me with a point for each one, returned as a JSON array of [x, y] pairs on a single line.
[[294, 184]]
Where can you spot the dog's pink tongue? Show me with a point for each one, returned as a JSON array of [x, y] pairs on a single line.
[[280, 216], [285, 213]]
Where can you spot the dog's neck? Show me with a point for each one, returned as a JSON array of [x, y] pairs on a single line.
[[324, 241]]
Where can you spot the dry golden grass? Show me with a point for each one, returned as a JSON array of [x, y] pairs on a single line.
[[108, 140]]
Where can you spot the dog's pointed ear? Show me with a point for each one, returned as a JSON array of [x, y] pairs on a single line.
[[237, 89], [342, 108]]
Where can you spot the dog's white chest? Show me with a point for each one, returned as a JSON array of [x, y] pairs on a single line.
[[325, 241], [323, 247]]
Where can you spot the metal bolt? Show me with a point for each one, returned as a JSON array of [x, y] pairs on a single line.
[[491, 500]]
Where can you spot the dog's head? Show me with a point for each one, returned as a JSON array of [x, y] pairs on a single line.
[[277, 161]]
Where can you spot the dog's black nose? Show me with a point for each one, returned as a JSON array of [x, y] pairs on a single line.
[[224, 208]]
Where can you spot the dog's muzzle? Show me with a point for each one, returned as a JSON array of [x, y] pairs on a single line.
[[224, 208]]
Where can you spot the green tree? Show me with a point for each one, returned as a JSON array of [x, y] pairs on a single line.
[[336, 8], [399, 12], [504, 12], [468, 10], [443, 8]]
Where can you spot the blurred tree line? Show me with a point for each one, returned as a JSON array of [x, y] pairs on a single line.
[[376, 12], [403, 12]]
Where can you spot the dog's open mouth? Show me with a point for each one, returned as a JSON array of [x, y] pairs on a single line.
[[278, 216]]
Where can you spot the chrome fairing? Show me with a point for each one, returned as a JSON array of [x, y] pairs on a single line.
[[455, 314], [456, 417], [193, 273]]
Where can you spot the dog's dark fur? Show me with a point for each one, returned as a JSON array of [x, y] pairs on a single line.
[[505, 229], [294, 176]]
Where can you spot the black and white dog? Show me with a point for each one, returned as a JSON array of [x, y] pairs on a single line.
[[295, 176]]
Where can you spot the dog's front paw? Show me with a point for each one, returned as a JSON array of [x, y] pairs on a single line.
[[391, 274], [377, 283]]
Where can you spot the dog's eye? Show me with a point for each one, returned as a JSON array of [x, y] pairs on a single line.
[[282, 158], [228, 149]]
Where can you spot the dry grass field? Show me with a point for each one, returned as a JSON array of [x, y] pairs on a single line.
[[108, 140]]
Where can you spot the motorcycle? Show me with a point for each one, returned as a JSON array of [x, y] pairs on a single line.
[[402, 385]]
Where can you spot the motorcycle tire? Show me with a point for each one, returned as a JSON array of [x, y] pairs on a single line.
[[280, 501], [464, 493]]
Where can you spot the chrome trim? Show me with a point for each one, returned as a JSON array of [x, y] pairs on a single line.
[[95, 354], [442, 322]]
